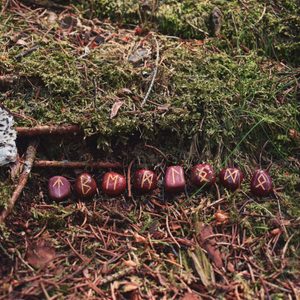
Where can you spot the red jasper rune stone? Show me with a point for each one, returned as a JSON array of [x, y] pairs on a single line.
[[145, 180], [113, 183], [59, 188], [174, 179], [261, 183], [85, 185], [203, 174], [231, 178]]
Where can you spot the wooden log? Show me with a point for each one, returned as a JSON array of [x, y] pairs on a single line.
[[76, 164]]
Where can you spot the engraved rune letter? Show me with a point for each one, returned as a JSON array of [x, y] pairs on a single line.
[[202, 174], [229, 174], [58, 182], [261, 180], [114, 178], [147, 177], [84, 186], [178, 173]]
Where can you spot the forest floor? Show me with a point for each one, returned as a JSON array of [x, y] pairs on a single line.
[[149, 98]]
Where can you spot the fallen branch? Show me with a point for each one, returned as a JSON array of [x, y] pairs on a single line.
[[76, 164], [30, 156], [52, 129]]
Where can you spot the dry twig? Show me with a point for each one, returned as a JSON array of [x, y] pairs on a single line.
[[52, 129], [30, 156], [76, 164]]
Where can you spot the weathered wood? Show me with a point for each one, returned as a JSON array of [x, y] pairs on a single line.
[[45, 130], [76, 164], [30, 156]]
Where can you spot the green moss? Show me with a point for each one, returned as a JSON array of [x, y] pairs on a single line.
[[6, 189], [232, 95], [256, 24]]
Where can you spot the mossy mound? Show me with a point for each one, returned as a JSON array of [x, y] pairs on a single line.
[[199, 91], [272, 27]]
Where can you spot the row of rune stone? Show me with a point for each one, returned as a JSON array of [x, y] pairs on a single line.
[[146, 180]]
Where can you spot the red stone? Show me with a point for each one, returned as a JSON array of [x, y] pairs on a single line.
[[261, 183], [231, 178], [174, 179], [203, 174], [145, 180], [85, 185], [59, 188], [113, 183]]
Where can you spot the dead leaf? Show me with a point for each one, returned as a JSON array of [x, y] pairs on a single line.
[[230, 267], [130, 263], [139, 239], [40, 253], [21, 42], [139, 56], [221, 217], [115, 108], [202, 266], [208, 243], [191, 296], [129, 287]]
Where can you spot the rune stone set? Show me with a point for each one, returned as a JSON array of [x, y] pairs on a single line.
[[201, 175]]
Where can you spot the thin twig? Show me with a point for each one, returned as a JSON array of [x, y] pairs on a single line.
[[117, 275], [129, 179], [30, 156], [170, 233], [52, 129], [154, 74], [26, 52], [76, 164]]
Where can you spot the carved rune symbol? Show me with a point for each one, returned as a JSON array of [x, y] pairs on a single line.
[[84, 186], [178, 173], [114, 178], [261, 181], [202, 175], [147, 177], [231, 174], [58, 182]]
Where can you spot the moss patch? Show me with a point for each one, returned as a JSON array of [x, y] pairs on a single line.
[[271, 27]]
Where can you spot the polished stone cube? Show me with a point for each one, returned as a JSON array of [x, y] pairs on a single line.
[[174, 179], [203, 175]]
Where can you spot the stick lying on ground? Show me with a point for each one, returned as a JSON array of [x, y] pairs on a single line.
[[76, 164], [30, 156], [52, 129]]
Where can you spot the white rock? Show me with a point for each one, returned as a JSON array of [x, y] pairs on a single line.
[[8, 149]]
